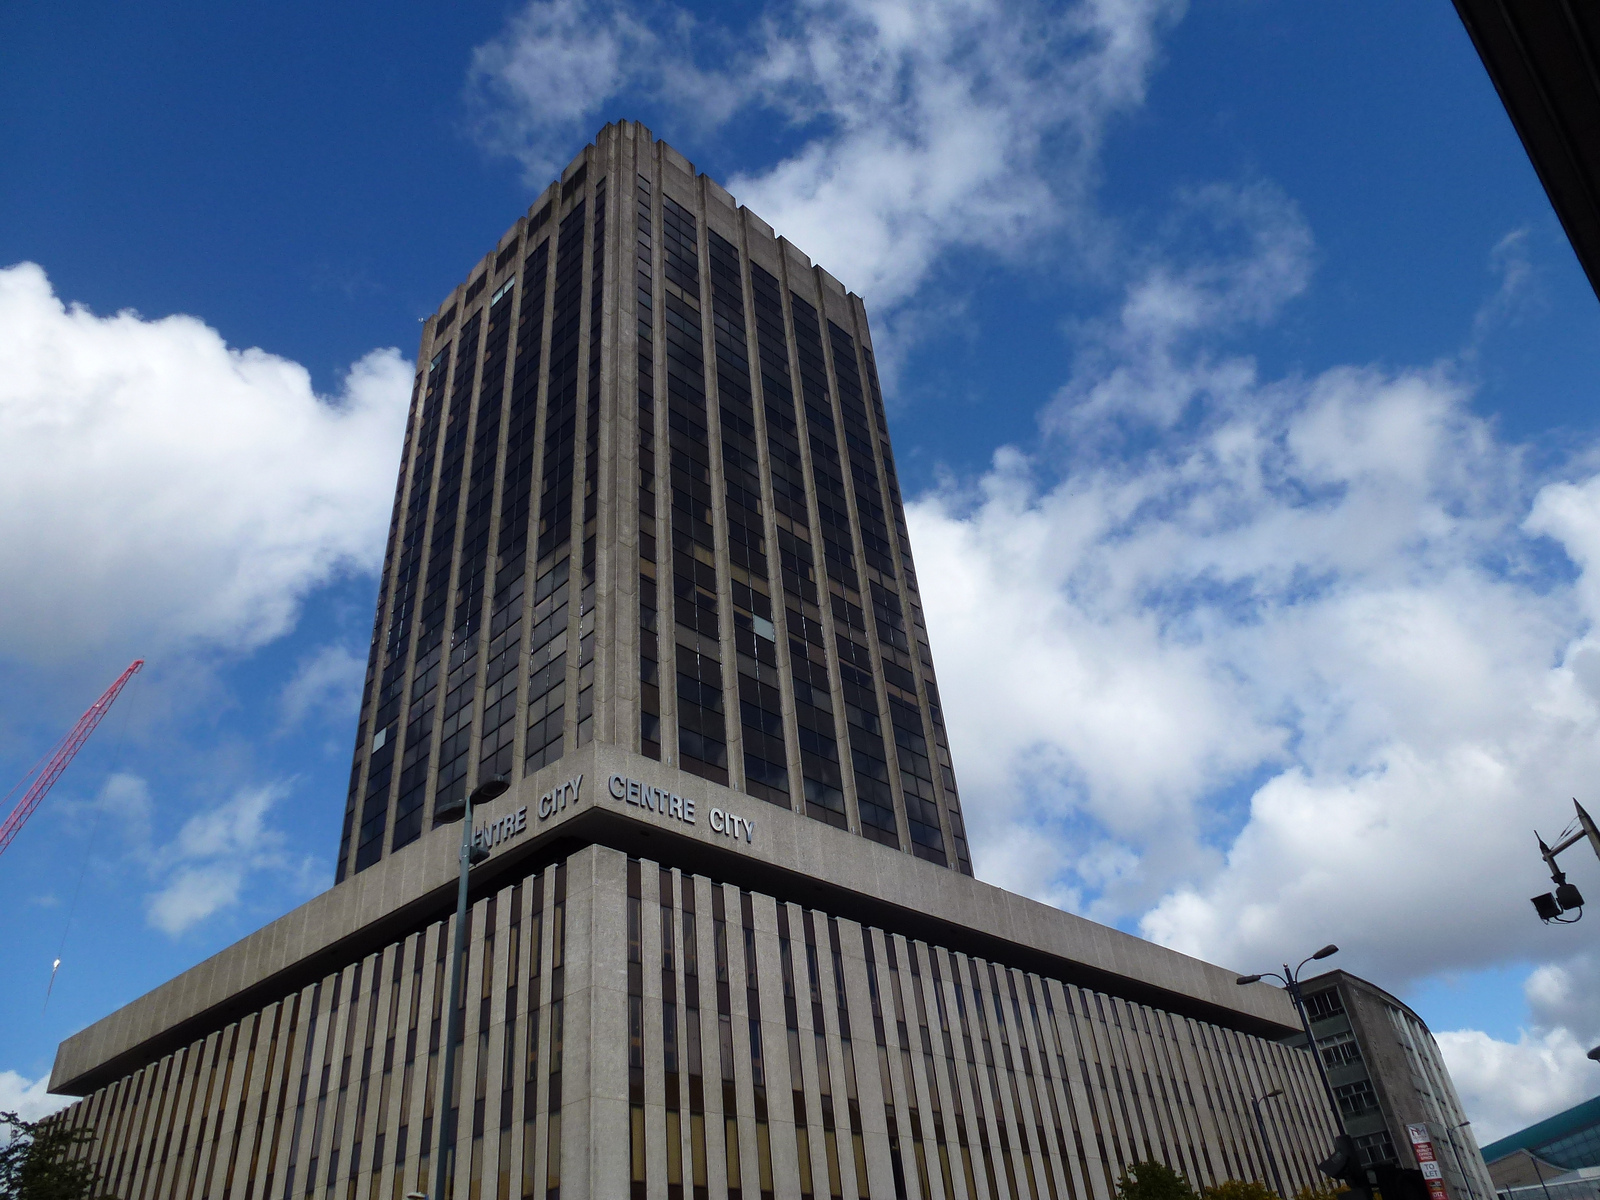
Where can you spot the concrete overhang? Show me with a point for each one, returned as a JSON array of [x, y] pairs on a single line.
[[781, 854]]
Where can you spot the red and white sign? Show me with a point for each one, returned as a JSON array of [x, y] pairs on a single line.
[[1422, 1146]]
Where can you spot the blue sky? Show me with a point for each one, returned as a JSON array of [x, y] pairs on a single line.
[[1238, 370]]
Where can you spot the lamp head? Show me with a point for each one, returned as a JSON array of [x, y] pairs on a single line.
[[1244, 979], [1326, 952], [491, 789], [1272, 1093], [448, 811]]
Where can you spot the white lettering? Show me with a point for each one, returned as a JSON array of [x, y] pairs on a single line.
[[555, 800], [749, 831], [492, 833], [653, 799], [716, 819]]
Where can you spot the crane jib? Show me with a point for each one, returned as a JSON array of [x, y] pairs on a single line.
[[62, 754]]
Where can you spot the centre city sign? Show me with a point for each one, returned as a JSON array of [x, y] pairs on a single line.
[[557, 798], [509, 826], [666, 805], [493, 833], [678, 808]]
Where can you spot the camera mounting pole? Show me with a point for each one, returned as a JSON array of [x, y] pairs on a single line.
[[1566, 898]]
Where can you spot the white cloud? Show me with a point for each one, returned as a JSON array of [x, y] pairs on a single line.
[[160, 490], [193, 894], [1508, 1085], [206, 867], [27, 1097], [209, 864], [1231, 258], [549, 72], [1563, 994], [1255, 665], [921, 127], [125, 798], [327, 683]]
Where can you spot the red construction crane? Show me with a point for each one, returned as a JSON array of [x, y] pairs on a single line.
[[62, 755]]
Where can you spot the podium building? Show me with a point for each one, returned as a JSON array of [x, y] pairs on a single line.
[[649, 563]]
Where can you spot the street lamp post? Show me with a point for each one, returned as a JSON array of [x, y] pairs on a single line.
[[457, 810], [1450, 1133], [1343, 1164], [1261, 1125], [1533, 1161], [1291, 983]]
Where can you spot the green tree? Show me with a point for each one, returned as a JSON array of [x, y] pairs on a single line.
[[1153, 1181], [1239, 1189], [1325, 1192], [40, 1161]]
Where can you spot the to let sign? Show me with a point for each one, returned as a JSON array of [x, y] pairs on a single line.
[[1427, 1160]]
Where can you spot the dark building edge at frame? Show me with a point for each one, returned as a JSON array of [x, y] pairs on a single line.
[[915, 1060], [769, 549], [1544, 59]]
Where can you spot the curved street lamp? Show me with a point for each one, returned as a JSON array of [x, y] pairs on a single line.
[[1450, 1135], [1343, 1164], [1261, 1126], [459, 809]]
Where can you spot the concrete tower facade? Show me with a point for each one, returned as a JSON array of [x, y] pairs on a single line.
[[648, 499], [648, 562]]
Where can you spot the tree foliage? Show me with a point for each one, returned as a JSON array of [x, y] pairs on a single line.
[[1239, 1189], [1153, 1181], [1325, 1192], [40, 1161]]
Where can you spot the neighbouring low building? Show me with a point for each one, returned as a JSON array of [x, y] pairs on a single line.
[[1392, 1086]]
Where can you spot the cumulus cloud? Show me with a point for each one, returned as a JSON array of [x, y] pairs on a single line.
[[1256, 664], [916, 128], [208, 864], [326, 683], [161, 490], [125, 798], [27, 1097], [1508, 1085], [205, 868], [1229, 259]]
